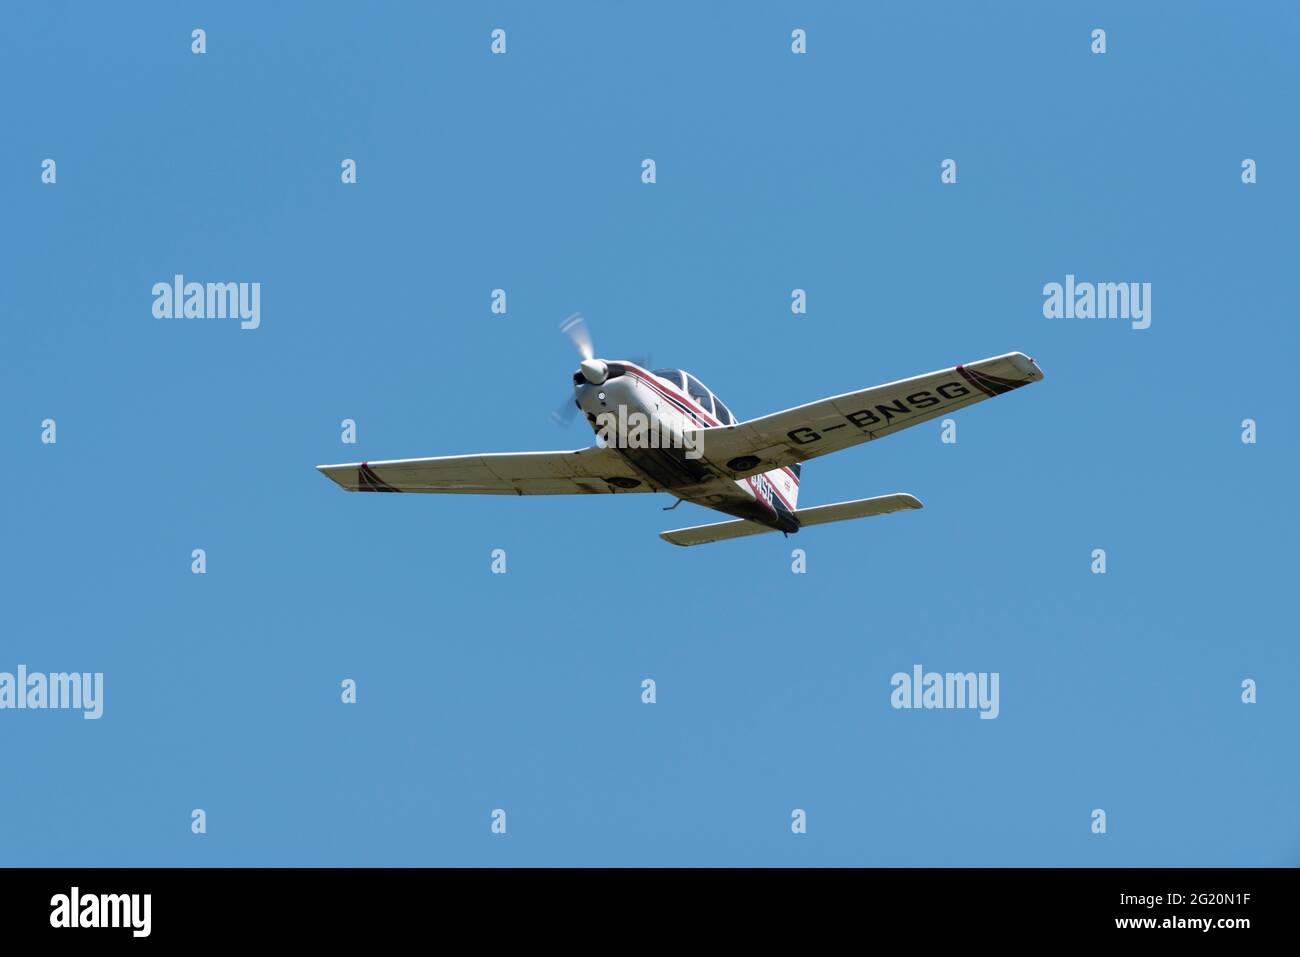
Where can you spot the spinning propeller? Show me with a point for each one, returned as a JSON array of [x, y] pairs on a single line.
[[594, 370]]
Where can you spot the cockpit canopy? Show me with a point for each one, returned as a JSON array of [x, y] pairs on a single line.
[[696, 390]]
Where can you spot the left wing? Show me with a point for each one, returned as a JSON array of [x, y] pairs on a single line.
[[588, 471], [805, 432]]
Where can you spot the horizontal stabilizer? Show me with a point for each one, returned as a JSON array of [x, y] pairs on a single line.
[[862, 508], [817, 515], [701, 534]]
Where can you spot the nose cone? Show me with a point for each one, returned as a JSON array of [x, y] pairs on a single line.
[[594, 371]]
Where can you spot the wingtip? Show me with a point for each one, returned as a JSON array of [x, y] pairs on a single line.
[[1028, 367]]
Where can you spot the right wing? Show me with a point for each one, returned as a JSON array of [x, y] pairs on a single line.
[[828, 425], [588, 471]]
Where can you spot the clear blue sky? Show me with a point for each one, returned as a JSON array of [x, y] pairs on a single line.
[[522, 691]]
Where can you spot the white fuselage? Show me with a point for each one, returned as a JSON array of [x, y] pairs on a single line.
[[672, 449]]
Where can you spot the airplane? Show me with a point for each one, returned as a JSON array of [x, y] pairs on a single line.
[[685, 441]]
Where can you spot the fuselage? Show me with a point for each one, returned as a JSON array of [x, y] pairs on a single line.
[[654, 419]]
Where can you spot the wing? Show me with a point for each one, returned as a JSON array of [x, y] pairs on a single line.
[[588, 471], [829, 425]]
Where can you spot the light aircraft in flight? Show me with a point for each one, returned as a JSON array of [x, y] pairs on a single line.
[[663, 431]]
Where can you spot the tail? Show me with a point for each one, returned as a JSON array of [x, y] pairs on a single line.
[[786, 482], [817, 515]]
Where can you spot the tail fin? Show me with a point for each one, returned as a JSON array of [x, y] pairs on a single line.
[[786, 481]]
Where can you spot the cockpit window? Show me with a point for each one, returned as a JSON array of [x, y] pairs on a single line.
[[696, 390], [700, 394]]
